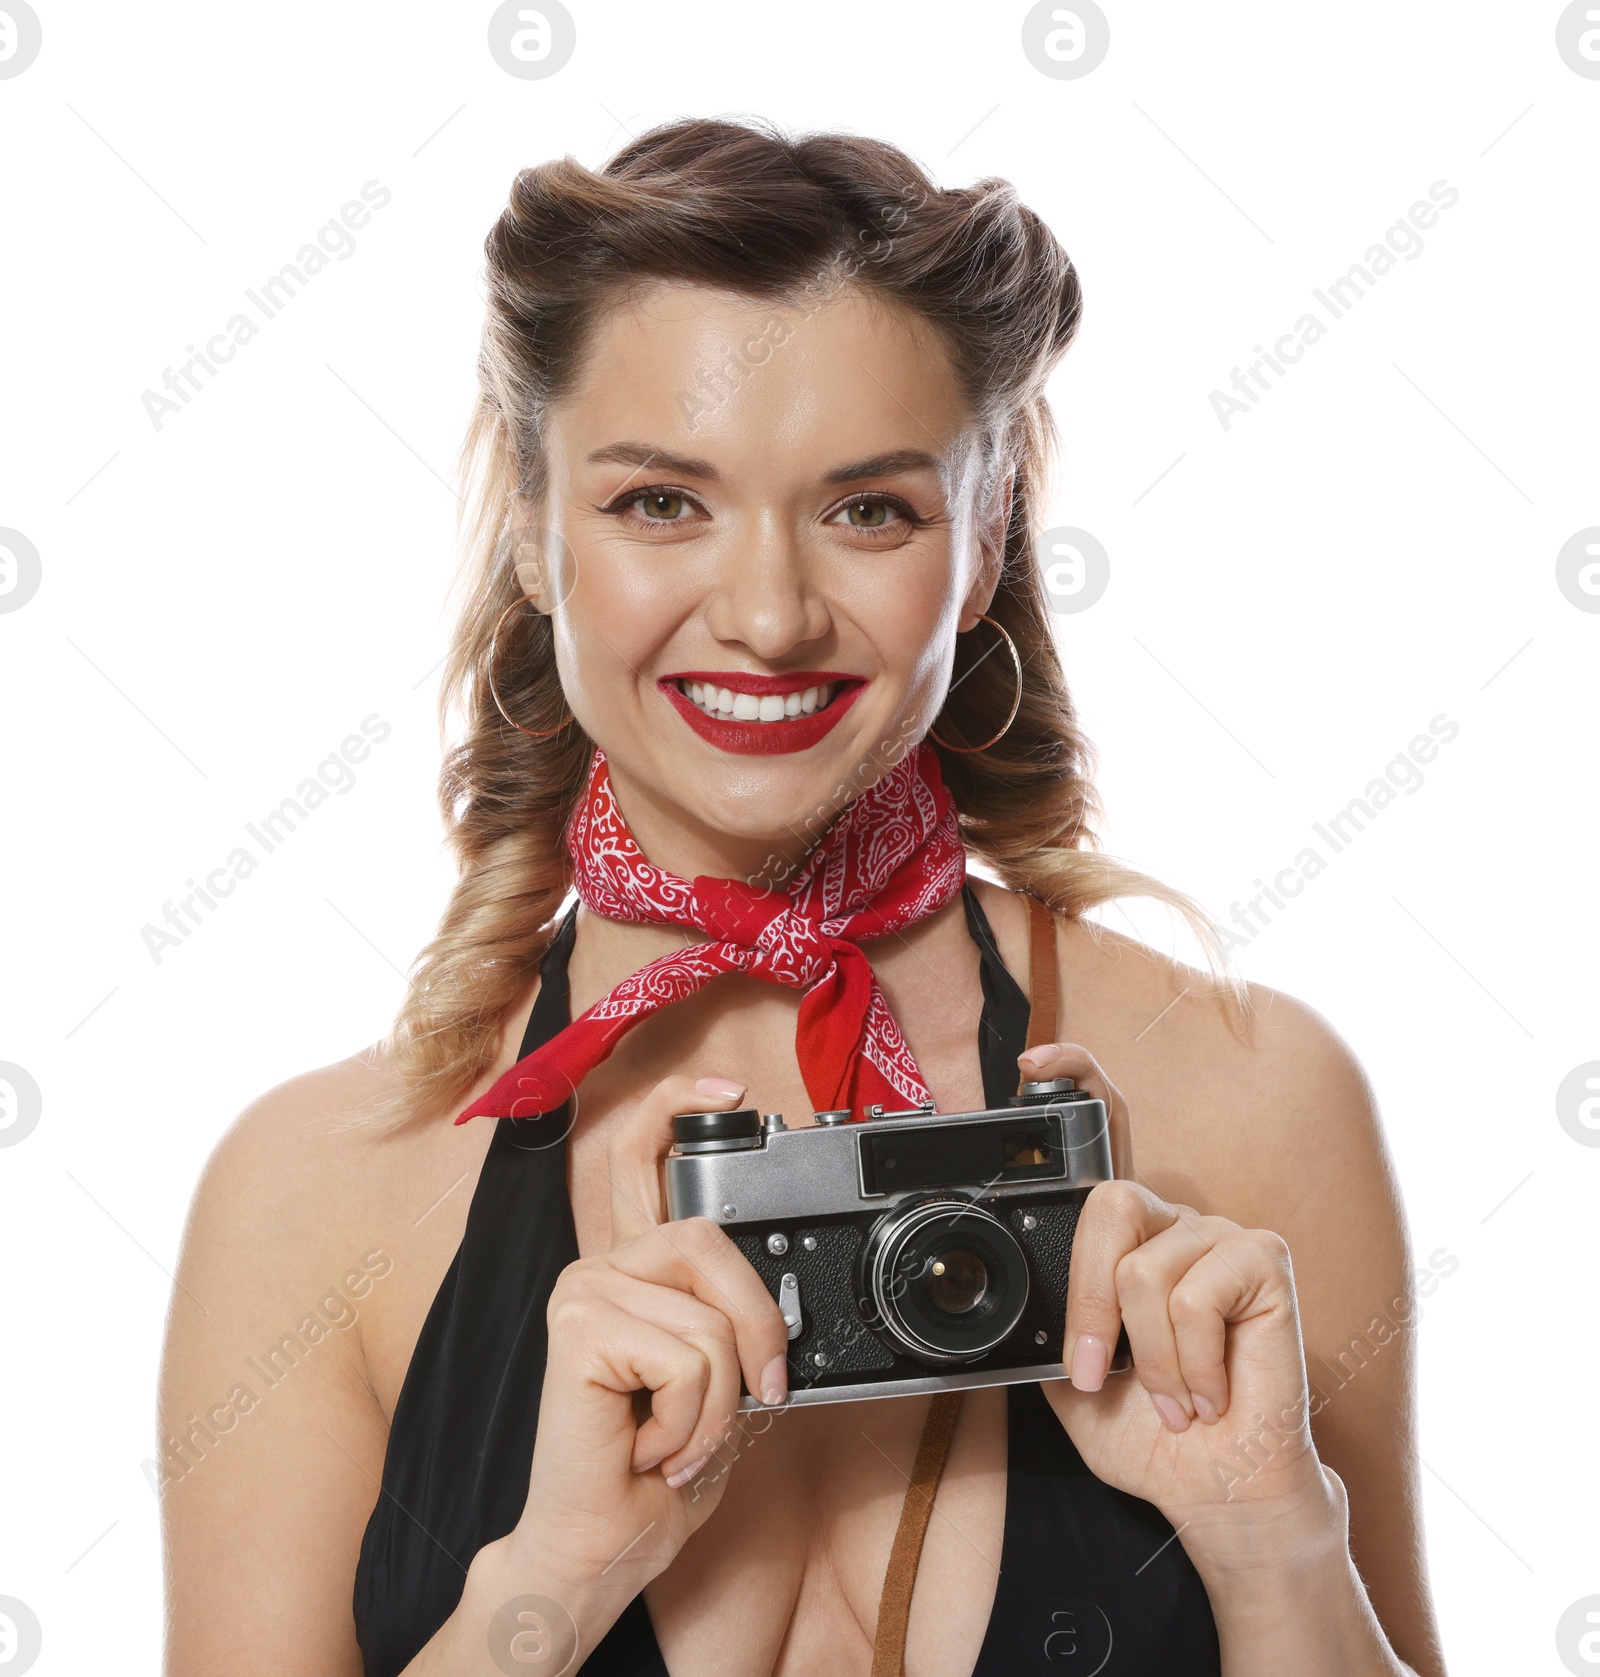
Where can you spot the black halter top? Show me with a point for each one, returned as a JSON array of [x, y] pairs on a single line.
[[1091, 1580]]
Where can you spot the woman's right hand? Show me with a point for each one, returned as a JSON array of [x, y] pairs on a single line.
[[673, 1313]]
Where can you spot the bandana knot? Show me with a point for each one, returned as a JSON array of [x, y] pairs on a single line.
[[741, 914]]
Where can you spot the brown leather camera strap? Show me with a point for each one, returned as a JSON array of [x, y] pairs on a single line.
[[1041, 975], [894, 1607]]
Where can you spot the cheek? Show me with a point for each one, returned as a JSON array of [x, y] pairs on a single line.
[[909, 616], [921, 651], [617, 614]]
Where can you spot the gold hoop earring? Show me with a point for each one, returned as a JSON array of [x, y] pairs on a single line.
[[1016, 703], [534, 733]]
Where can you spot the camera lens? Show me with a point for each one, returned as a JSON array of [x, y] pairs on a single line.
[[956, 1281], [945, 1279]]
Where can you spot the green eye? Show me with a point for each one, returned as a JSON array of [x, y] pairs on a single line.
[[876, 514], [663, 507]]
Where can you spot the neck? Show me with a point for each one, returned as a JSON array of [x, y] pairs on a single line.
[[675, 840]]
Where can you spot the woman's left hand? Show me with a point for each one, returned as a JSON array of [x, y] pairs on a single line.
[[1212, 1425]]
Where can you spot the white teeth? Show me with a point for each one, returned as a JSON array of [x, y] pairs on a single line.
[[723, 702]]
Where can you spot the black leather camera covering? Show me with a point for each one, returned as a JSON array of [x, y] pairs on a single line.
[[831, 1311]]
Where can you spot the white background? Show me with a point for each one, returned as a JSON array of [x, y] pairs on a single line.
[[1371, 546]]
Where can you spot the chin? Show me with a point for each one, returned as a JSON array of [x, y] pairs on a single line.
[[771, 795], [775, 797]]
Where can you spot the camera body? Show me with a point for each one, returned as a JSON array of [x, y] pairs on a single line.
[[915, 1252]]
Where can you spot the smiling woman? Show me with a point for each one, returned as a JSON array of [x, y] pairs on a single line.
[[754, 679]]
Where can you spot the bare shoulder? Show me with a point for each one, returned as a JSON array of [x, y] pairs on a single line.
[[293, 1156], [1243, 1105], [313, 1248], [286, 1213], [299, 1162], [1267, 1118], [1232, 1109], [301, 1199]]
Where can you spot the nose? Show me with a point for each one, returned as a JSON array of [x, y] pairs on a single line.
[[764, 598]]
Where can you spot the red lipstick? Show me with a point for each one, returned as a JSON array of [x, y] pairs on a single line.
[[763, 739]]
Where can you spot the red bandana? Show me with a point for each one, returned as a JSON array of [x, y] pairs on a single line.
[[893, 856]]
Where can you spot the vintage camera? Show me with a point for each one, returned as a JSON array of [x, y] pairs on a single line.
[[915, 1252]]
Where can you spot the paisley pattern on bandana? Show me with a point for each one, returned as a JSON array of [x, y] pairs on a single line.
[[892, 857]]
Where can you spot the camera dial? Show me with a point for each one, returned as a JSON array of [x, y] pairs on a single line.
[[717, 1132], [1047, 1092]]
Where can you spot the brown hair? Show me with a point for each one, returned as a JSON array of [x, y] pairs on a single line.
[[740, 207]]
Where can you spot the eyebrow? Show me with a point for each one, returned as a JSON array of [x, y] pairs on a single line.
[[886, 465], [685, 465]]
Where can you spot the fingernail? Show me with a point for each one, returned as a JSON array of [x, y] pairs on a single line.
[[775, 1381], [1205, 1409], [1170, 1411], [717, 1088], [685, 1474], [1044, 1051], [1090, 1360]]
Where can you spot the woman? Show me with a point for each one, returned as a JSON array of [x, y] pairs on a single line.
[[755, 637]]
